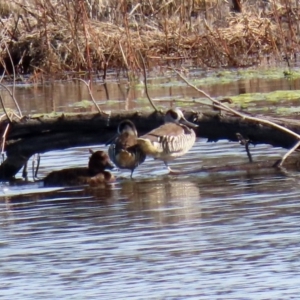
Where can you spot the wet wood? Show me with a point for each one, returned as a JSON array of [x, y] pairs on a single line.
[[42, 134], [250, 168]]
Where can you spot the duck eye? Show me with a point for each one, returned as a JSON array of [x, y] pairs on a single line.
[[173, 114]]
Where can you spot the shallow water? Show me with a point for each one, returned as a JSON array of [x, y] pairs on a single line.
[[198, 236], [229, 235], [164, 89]]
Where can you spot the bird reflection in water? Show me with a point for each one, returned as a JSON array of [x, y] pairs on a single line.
[[165, 200]]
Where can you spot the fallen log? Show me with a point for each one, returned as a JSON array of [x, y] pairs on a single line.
[[31, 135]]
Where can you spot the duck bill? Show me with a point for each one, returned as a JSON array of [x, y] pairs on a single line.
[[111, 139], [109, 165], [187, 123]]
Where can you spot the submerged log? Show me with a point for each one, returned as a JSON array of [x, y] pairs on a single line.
[[32, 135]]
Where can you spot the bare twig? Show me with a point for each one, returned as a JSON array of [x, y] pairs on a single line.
[[2, 76], [245, 142], [281, 161], [13, 97], [134, 9], [222, 106], [145, 82], [247, 117], [84, 18], [14, 80], [124, 56], [90, 93], [3, 141], [4, 109]]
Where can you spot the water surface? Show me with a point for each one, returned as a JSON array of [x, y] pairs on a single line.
[[164, 89], [198, 236], [229, 235]]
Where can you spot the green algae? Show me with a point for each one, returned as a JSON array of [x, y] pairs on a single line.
[[288, 110], [224, 77], [83, 104], [276, 96], [52, 115], [202, 79]]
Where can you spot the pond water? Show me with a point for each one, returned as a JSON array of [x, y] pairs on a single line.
[[164, 88], [229, 235]]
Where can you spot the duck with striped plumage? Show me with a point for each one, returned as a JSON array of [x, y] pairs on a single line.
[[173, 139]]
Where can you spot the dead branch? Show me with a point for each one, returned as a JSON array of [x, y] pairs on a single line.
[[41, 134], [145, 82], [248, 117], [90, 93], [12, 94]]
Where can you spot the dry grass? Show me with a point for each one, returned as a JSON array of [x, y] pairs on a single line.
[[57, 37]]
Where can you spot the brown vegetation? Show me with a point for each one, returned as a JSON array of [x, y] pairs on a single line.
[[45, 37]]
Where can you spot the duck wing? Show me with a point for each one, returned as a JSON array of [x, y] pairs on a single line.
[[168, 129]]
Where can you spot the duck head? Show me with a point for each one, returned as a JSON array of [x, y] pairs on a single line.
[[127, 126], [99, 161], [175, 115]]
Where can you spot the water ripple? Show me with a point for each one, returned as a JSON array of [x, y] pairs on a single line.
[[199, 236]]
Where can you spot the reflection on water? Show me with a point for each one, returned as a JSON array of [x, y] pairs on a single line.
[[198, 236], [229, 235], [150, 198], [179, 197], [119, 95]]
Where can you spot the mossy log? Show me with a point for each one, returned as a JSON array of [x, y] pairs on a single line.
[[31, 135]]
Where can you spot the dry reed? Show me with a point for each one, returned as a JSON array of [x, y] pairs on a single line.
[[91, 36]]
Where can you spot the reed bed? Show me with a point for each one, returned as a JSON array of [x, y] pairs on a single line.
[[51, 37]]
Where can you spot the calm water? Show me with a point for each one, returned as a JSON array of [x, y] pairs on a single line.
[[200, 236], [163, 88], [209, 236]]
